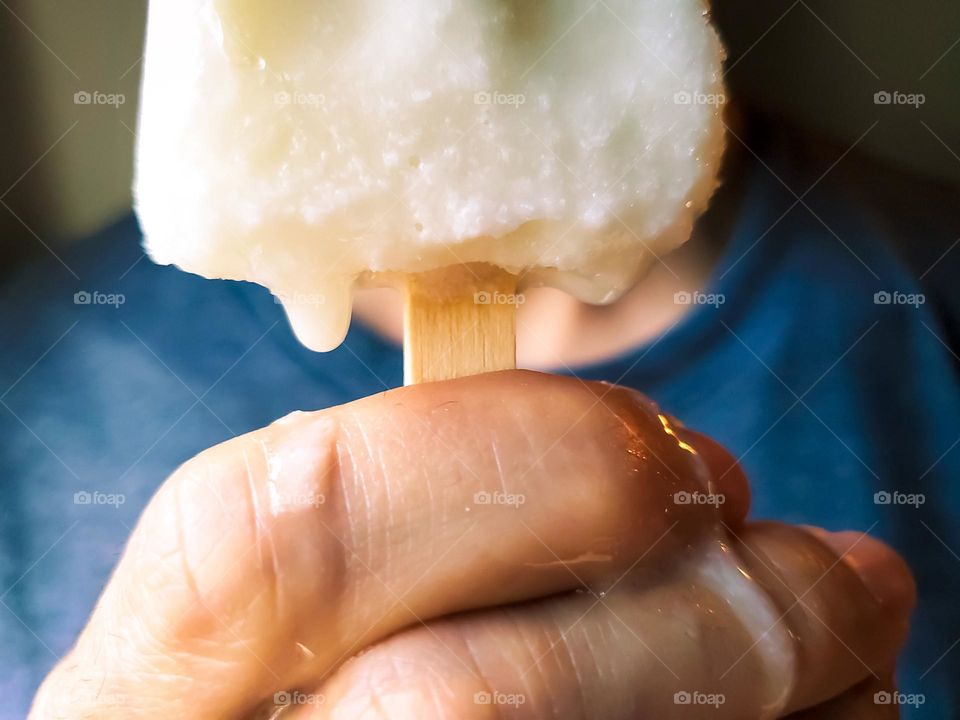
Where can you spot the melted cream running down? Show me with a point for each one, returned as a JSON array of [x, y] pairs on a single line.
[[309, 145], [719, 569]]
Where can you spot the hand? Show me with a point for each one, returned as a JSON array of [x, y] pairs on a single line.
[[553, 548]]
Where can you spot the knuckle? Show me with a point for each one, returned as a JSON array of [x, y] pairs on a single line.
[[234, 542], [413, 677], [639, 478]]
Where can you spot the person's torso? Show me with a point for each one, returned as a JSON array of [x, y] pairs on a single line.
[[816, 356]]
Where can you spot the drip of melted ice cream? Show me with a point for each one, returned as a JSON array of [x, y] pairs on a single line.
[[307, 145]]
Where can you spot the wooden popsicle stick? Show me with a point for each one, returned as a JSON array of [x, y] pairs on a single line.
[[459, 321]]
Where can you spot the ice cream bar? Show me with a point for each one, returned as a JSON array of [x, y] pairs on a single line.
[[314, 145]]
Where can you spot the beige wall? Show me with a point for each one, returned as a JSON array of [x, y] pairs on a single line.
[[83, 180], [823, 74]]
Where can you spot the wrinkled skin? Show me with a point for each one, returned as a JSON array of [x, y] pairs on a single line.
[[503, 546]]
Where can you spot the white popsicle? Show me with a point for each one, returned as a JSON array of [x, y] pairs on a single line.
[[309, 145]]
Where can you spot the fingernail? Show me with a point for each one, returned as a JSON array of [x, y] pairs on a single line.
[[884, 573]]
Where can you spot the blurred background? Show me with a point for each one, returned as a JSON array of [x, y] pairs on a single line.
[[65, 166]]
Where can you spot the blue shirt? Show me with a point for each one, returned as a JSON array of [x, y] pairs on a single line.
[[830, 369]]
